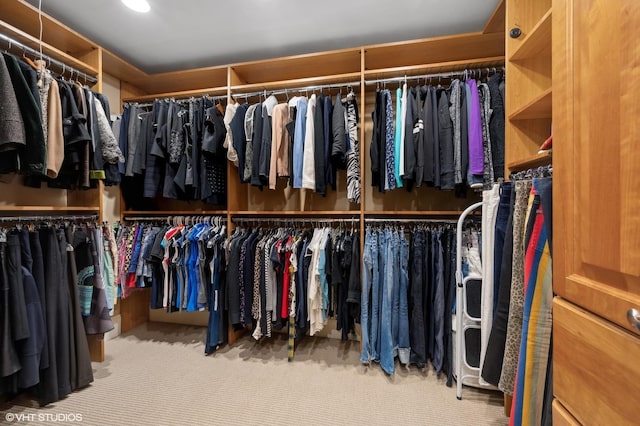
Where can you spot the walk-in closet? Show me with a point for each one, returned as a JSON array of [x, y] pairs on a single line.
[[273, 213]]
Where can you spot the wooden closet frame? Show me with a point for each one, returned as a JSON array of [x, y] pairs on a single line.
[[484, 49]]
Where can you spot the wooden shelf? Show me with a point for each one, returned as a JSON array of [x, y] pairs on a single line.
[[47, 49], [537, 160], [298, 83], [536, 41], [333, 62], [48, 209], [413, 70], [193, 79], [213, 91], [23, 15], [175, 81], [434, 50], [538, 107], [280, 213], [122, 70]]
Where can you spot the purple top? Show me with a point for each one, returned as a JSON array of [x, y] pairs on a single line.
[[476, 151]]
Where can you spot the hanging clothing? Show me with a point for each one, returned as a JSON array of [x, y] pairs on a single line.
[[532, 377], [353, 149], [44, 344], [516, 300], [34, 138], [490, 202], [397, 138], [305, 140], [12, 131], [496, 124], [280, 275], [175, 150], [375, 149], [33, 157], [279, 165], [435, 136], [407, 297], [239, 137], [308, 162]]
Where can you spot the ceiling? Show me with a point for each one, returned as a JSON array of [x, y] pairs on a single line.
[[178, 35]]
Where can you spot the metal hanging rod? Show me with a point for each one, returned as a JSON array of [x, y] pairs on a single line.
[[409, 220], [47, 218], [537, 172], [178, 100], [145, 218], [64, 67], [461, 73], [170, 217], [266, 93], [293, 220]]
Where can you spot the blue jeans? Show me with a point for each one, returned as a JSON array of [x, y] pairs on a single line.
[[438, 303], [502, 217], [395, 289], [403, 326], [375, 296], [367, 277], [386, 334], [474, 181], [416, 300]]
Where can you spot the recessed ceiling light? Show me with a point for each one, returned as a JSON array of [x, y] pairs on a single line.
[[141, 6]]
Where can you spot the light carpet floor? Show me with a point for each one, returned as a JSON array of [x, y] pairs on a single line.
[[157, 374]]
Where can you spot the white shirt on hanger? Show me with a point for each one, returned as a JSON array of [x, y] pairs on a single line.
[[308, 164]]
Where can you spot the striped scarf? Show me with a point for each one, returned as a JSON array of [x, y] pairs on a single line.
[[353, 155]]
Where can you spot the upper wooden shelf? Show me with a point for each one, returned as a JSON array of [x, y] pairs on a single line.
[[21, 14], [537, 160], [538, 107], [333, 62], [28, 40], [122, 70], [192, 79], [414, 70], [434, 50], [537, 41], [353, 78]]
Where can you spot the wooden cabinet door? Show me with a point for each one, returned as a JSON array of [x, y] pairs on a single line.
[[596, 212], [596, 125]]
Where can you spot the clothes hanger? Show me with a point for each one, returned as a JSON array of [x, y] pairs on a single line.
[[29, 62]]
